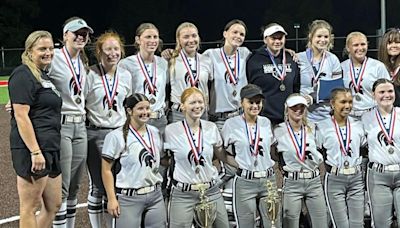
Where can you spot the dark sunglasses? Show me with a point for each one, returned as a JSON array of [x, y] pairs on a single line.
[[81, 33]]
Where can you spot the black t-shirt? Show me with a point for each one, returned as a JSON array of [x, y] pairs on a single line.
[[45, 108]]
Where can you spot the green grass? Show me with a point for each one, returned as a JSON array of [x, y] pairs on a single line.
[[4, 92]]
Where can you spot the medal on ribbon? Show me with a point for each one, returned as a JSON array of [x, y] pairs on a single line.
[[281, 73], [110, 91], [253, 141], [150, 148], [197, 150], [344, 143], [299, 144], [75, 75], [356, 81], [151, 80], [233, 72], [193, 75], [387, 132], [317, 74]]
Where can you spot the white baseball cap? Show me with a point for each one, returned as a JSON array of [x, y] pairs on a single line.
[[75, 25], [274, 29], [295, 100]]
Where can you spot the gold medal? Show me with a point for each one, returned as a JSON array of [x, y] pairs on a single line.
[[78, 100], [152, 101], [346, 164], [282, 87], [391, 150]]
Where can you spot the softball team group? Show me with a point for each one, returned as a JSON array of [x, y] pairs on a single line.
[[152, 131]]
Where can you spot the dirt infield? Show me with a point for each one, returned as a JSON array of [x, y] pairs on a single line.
[[8, 194]]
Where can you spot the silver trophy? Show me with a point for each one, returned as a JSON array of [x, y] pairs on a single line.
[[272, 200], [205, 211]]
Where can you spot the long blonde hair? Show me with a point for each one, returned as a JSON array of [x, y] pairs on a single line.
[[318, 24], [303, 119], [30, 42], [178, 46]]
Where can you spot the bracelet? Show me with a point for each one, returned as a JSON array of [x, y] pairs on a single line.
[[36, 152]]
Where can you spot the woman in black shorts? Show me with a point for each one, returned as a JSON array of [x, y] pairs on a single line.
[[35, 133]]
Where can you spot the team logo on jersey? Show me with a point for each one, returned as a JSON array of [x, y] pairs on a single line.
[[146, 158], [114, 103], [74, 88], [192, 159], [188, 79], [383, 140], [352, 87], [148, 89]]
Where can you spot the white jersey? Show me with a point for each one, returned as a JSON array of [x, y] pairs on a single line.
[[236, 134], [328, 137], [99, 93], [225, 92], [180, 79], [286, 146], [158, 68], [374, 70], [378, 146], [139, 167], [176, 140], [328, 68], [69, 78]]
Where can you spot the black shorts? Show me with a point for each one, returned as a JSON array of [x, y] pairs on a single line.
[[22, 164]]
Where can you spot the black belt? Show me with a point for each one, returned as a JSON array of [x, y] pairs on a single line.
[[247, 174], [192, 187], [90, 125]]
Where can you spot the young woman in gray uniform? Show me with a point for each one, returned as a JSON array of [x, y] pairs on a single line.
[[317, 63], [149, 72], [360, 72], [229, 70], [192, 144], [383, 136], [342, 137], [131, 158], [300, 162], [68, 73], [187, 68], [252, 155], [106, 88]]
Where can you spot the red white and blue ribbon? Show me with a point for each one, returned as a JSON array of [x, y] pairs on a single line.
[[194, 78], [253, 141], [76, 76], [281, 73], [388, 132], [110, 92], [196, 150], [138, 136], [299, 144], [150, 79], [393, 74], [343, 142], [309, 54], [357, 80], [233, 73]]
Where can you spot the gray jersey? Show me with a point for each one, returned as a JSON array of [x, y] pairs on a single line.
[[180, 78], [99, 111], [374, 70], [176, 140], [328, 137], [234, 133], [229, 78], [286, 145], [380, 149], [328, 68], [139, 166], [63, 74], [156, 73]]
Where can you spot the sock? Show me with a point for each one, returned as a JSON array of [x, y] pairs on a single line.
[[61, 217], [71, 211], [95, 210]]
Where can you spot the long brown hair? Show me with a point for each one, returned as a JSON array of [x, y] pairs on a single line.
[[391, 62]]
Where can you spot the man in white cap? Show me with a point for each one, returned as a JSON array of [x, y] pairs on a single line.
[[272, 68]]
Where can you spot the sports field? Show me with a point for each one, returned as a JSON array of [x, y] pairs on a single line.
[[3, 89]]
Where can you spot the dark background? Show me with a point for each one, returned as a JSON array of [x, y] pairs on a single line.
[[20, 17]]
